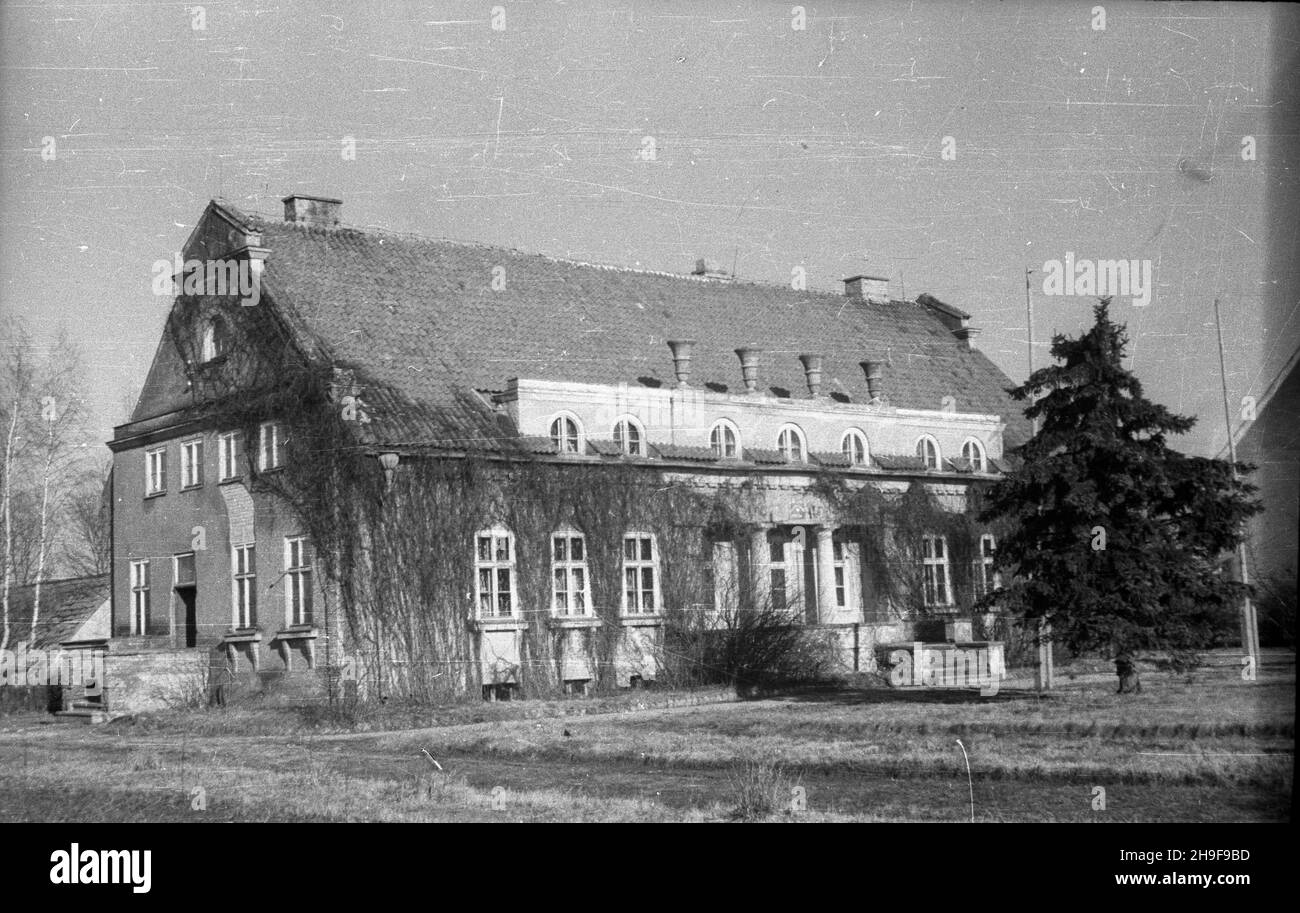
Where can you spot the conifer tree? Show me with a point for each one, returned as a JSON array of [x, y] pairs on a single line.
[[1119, 540]]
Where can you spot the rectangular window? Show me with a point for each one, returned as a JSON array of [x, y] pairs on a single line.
[[297, 568], [640, 574], [244, 561], [270, 449], [837, 553], [985, 579], [139, 596], [185, 570], [228, 455], [934, 561], [155, 471], [191, 464], [494, 561], [568, 574]]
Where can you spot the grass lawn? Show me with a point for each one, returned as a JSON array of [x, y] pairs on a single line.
[[1206, 747]]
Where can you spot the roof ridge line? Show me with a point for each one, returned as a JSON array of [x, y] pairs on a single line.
[[270, 219]]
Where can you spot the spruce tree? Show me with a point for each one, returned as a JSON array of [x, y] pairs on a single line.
[[1118, 540]]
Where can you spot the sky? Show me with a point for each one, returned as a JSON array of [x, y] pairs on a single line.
[[946, 146]]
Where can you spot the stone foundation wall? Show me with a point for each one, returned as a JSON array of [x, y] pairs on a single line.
[[137, 681]]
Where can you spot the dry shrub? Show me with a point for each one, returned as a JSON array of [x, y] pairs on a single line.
[[760, 789]]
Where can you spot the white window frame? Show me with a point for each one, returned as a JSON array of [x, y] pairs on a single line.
[[298, 577], [856, 435], [209, 342], [638, 566], [571, 571], [494, 565], [139, 596], [561, 439], [718, 440], [155, 471], [624, 440], [935, 571], [784, 559], [981, 464], [841, 573], [921, 451], [176, 570], [785, 438], [270, 457], [986, 578], [192, 463], [243, 586], [227, 456]]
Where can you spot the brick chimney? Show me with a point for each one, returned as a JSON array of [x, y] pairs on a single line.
[[323, 212], [707, 269], [870, 288]]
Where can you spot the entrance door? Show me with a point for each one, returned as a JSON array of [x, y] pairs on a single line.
[[189, 618]]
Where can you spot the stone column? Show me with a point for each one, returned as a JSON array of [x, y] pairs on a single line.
[[760, 566], [827, 610]]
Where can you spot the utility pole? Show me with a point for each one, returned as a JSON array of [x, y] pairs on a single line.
[[1249, 623], [1046, 673], [1029, 313]]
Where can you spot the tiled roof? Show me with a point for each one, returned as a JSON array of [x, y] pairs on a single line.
[[538, 445], [760, 455], [894, 461], [66, 605], [961, 464], [419, 322], [681, 452], [604, 447], [840, 460]]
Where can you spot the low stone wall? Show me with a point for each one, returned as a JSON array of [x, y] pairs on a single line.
[[854, 645], [142, 680], [29, 698]]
